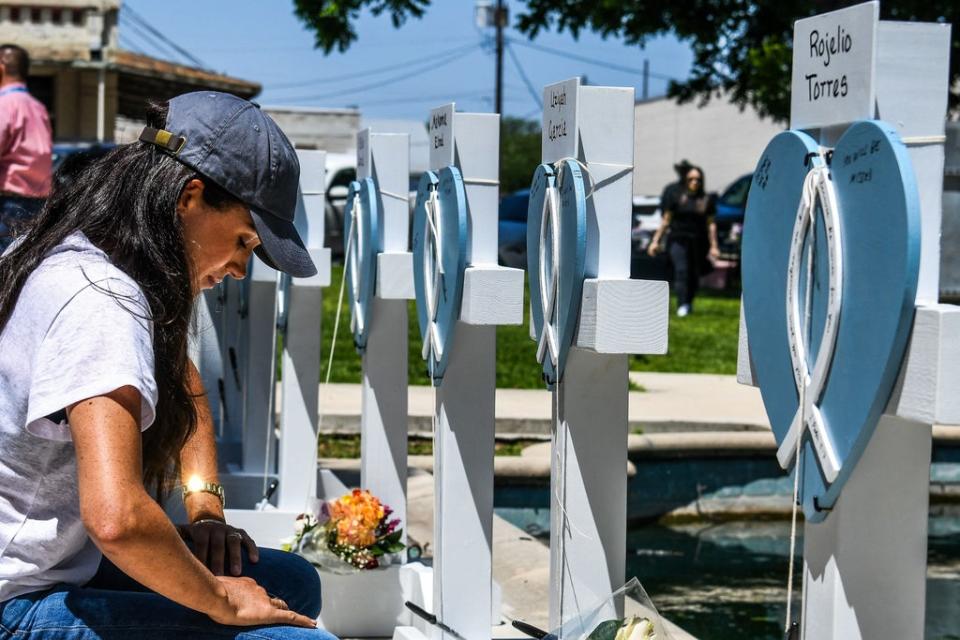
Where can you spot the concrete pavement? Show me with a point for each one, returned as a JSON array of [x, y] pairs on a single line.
[[669, 402]]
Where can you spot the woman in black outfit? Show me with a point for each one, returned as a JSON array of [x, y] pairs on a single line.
[[688, 213]]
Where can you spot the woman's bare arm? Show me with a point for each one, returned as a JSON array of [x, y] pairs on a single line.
[[664, 224], [712, 237], [133, 531], [213, 543], [199, 455]]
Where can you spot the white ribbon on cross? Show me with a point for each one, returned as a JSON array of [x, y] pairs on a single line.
[[817, 187], [354, 242], [432, 276], [549, 340]]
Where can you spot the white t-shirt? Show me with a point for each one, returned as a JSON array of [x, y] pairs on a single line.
[[80, 328]]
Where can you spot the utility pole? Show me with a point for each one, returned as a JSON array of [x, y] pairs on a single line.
[[646, 78], [500, 21]]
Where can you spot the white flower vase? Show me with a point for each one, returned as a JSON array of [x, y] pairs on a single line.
[[362, 604]]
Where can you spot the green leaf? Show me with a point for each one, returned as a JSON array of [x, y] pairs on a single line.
[[605, 630], [394, 537]]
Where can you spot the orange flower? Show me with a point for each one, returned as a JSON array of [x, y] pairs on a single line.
[[357, 516]]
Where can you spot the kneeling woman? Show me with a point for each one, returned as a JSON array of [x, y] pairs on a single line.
[[99, 405]]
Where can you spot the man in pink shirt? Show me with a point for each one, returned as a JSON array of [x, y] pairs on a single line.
[[25, 145]]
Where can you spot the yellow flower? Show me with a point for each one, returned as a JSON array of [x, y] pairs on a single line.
[[357, 516]]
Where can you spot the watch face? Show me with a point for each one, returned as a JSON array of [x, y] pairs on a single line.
[[196, 485]]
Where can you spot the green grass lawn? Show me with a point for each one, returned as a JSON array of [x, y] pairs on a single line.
[[704, 342]]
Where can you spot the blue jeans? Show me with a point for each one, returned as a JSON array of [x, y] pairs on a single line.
[[14, 211], [113, 606]]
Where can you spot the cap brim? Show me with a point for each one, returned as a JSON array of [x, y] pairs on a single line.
[[280, 245]]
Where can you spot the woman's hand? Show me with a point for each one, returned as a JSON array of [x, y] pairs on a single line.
[[653, 248], [714, 252], [215, 543], [249, 604]]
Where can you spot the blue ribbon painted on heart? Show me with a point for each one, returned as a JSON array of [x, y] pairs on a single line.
[[831, 257], [556, 257], [439, 259], [361, 220]]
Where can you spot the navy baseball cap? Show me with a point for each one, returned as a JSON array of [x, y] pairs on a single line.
[[232, 142]]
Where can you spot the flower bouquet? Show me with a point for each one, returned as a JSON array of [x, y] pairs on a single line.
[[349, 534], [632, 627]]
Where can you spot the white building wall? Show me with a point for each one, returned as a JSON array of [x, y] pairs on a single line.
[[719, 137], [419, 140], [333, 130], [70, 27]]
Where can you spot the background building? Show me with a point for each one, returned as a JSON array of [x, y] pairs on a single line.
[[719, 137], [93, 89], [333, 130]]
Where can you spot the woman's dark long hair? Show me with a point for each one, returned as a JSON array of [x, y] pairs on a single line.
[[125, 203]]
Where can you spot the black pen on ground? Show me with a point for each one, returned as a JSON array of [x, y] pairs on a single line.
[[233, 365], [532, 631], [431, 619]]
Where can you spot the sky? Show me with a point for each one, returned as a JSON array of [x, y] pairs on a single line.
[[388, 72]]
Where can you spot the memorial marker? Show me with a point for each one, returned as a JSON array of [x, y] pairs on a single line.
[[380, 281], [586, 316], [462, 294], [841, 228]]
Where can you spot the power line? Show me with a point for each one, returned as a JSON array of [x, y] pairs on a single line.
[[156, 32], [433, 64], [450, 96], [157, 46], [386, 43], [523, 75], [369, 72], [588, 60], [154, 44], [130, 43]]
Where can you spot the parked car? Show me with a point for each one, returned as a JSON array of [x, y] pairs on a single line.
[[71, 157], [730, 208], [341, 171], [63, 150], [647, 217], [512, 229]]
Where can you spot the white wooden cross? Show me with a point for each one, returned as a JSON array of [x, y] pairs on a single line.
[[462, 595], [301, 357], [618, 316], [385, 157], [865, 564]]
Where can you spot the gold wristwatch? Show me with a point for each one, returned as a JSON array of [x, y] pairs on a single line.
[[196, 485]]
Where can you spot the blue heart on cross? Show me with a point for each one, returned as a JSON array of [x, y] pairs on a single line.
[[439, 258], [361, 218], [830, 263], [556, 255]]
